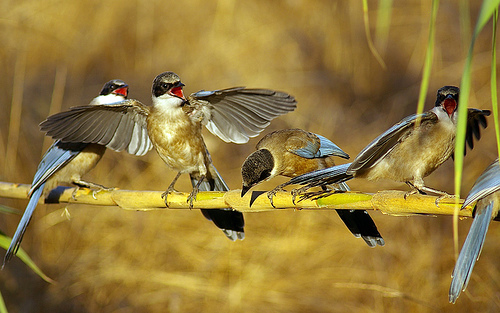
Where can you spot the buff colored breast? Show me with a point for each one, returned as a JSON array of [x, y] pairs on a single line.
[[177, 140]]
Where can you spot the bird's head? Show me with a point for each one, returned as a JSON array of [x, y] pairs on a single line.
[[114, 91], [447, 99], [257, 168], [168, 86]]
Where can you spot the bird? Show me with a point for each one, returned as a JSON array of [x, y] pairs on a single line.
[[66, 163], [292, 152], [173, 124], [407, 152], [485, 193]]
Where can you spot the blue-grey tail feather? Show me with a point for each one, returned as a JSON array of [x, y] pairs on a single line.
[[360, 223], [332, 175], [23, 224], [231, 222], [58, 155], [470, 252]]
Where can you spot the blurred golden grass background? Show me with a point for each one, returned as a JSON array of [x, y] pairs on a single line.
[[57, 54]]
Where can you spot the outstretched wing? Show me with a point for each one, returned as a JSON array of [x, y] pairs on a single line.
[[384, 143], [119, 126], [237, 114]]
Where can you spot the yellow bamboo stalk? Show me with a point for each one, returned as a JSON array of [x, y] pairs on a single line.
[[390, 202]]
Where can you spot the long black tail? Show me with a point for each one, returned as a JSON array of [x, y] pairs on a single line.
[[360, 223], [231, 222]]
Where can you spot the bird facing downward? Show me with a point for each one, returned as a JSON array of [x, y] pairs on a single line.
[[173, 125], [66, 163], [293, 152], [486, 192], [408, 151]]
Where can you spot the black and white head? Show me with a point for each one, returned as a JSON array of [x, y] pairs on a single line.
[[167, 86], [257, 168], [115, 90], [447, 99]]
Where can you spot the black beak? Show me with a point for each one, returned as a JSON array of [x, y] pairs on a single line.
[[244, 190]]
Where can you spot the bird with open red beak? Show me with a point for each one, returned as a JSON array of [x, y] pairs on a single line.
[[407, 152], [173, 124], [66, 163]]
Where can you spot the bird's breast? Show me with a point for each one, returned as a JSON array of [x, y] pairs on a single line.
[[178, 141]]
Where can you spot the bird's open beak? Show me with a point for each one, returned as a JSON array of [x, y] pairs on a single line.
[[177, 90], [122, 91]]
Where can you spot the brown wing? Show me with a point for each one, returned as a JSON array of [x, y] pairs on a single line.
[[119, 126], [384, 143]]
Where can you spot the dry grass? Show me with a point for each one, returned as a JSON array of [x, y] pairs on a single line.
[[109, 260]]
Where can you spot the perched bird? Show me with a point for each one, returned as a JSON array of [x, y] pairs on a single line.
[[485, 192], [173, 124], [408, 151], [66, 163], [292, 152]]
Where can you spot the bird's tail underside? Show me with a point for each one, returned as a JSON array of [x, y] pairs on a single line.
[[331, 175], [360, 223], [231, 222], [23, 224], [470, 252]]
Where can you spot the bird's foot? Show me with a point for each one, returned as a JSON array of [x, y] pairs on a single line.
[[102, 188], [192, 197], [414, 189], [96, 188], [411, 192], [272, 193], [73, 194], [164, 195], [443, 196], [170, 188], [298, 192]]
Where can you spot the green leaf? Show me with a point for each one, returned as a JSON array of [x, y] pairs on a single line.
[[3, 308], [371, 46], [429, 55], [23, 256], [494, 94], [9, 210], [487, 10]]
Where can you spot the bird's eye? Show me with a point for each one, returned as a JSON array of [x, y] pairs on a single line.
[[165, 85]]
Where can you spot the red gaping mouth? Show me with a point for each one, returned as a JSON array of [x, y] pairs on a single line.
[[121, 91], [449, 106], [177, 91]]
